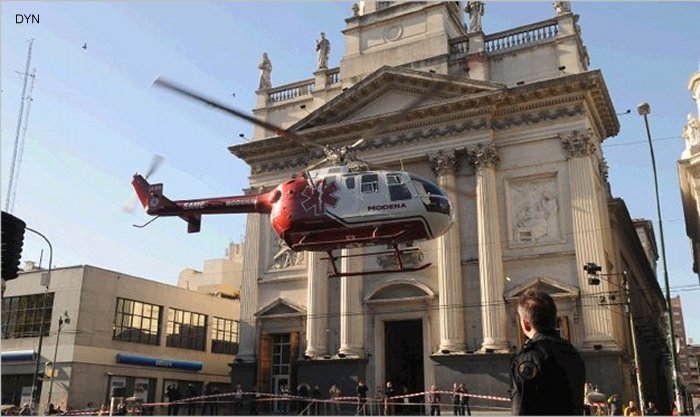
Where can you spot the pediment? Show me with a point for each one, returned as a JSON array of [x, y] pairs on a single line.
[[400, 290], [392, 90], [553, 287], [280, 307]]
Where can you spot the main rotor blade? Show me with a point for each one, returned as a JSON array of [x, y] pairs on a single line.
[[155, 163], [161, 82], [316, 164], [359, 141]]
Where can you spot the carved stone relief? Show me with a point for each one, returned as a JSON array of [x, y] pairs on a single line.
[[691, 134], [534, 210], [409, 259], [284, 257], [603, 168]]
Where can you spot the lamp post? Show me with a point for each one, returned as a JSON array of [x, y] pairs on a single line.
[[41, 324], [644, 109], [63, 319]]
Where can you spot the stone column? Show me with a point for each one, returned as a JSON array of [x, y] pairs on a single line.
[[587, 216], [249, 287], [451, 311], [351, 317], [317, 306], [484, 157]]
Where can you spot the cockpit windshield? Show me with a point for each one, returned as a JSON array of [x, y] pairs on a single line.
[[432, 196]]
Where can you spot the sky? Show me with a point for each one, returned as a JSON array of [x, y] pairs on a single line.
[[95, 120]]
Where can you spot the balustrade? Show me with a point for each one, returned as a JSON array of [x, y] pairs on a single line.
[[459, 47], [522, 36]]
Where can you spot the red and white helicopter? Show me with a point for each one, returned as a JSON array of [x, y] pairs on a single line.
[[324, 209]]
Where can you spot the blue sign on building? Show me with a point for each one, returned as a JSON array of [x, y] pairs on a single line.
[[158, 362], [18, 356]]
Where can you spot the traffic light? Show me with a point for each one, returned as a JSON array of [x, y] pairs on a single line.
[[593, 269], [12, 241]]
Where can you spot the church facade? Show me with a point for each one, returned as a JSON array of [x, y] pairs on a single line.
[[510, 124]]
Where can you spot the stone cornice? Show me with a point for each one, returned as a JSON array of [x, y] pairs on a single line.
[[544, 101]]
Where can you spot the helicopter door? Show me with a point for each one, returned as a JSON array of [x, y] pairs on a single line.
[[348, 206]]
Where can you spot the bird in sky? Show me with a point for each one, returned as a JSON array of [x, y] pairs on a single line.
[[85, 46]]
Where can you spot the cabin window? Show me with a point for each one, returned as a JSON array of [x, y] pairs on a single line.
[[370, 183], [350, 183], [397, 189]]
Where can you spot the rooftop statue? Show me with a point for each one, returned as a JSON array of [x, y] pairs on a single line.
[[475, 10], [323, 49], [265, 73]]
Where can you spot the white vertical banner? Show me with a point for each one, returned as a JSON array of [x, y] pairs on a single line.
[[141, 387]]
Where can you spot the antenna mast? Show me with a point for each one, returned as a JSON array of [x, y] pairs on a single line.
[[15, 166]]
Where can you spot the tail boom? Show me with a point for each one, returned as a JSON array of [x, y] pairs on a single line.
[[156, 204]]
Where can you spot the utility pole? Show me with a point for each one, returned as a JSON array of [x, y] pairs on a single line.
[[594, 277], [19, 126], [637, 373]]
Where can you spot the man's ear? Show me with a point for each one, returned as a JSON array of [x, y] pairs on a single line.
[[527, 326]]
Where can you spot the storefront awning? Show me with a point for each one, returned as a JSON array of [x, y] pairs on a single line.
[[158, 362], [18, 356]]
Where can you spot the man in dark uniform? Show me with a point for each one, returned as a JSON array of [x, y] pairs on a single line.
[[548, 374]]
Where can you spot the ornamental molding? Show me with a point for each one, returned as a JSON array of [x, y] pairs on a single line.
[[444, 162], [603, 168], [578, 143], [483, 155], [534, 117]]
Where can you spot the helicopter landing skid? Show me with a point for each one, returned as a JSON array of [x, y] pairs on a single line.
[[396, 251]]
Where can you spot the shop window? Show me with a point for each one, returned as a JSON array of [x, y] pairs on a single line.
[[22, 315], [224, 336], [186, 330], [137, 322]]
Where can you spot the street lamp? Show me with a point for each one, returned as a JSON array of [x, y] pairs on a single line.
[[61, 320], [46, 282], [644, 109]]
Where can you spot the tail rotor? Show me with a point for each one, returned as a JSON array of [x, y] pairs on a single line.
[[130, 204]]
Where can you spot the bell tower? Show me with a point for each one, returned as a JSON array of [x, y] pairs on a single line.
[[399, 33]]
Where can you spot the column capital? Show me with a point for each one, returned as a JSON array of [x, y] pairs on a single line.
[[578, 143], [483, 155], [444, 162]]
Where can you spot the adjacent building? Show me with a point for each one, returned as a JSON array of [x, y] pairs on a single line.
[[220, 276], [689, 174], [510, 124], [115, 331]]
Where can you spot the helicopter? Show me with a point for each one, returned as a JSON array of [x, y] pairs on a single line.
[[324, 209]]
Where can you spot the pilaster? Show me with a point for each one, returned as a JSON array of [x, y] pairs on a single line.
[[485, 158], [451, 313], [249, 288], [588, 235], [351, 317], [317, 307]]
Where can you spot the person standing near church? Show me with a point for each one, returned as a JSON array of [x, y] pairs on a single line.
[[548, 374]]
